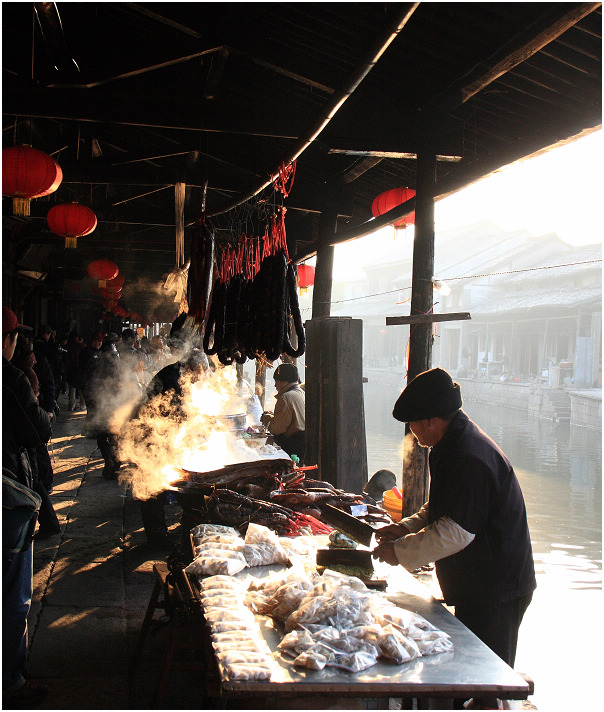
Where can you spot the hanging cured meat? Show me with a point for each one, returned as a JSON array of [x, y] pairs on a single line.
[[254, 310], [201, 271]]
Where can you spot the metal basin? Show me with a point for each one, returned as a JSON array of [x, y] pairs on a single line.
[[235, 423]]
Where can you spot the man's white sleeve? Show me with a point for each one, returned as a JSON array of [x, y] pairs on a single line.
[[442, 538], [418, 520]]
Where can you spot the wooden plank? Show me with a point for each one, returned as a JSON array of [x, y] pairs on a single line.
[[426, 318], [335, 414]]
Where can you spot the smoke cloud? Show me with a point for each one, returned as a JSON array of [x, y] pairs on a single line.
[[158, 300], [191, 432]]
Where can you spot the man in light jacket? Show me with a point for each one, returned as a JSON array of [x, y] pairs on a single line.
[[288, 422]]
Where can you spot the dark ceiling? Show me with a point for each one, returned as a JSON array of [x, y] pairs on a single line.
[[131, 99]]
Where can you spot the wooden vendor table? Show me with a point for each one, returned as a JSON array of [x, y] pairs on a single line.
[[471, 670]]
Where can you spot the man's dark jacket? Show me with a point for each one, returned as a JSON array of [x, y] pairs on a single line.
[[473, 483], [24, 424], [46, 380]]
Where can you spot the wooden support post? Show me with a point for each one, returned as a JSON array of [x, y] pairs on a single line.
[[260, 382], [335, 414], [415, 469], [321, 298], [335, 424]]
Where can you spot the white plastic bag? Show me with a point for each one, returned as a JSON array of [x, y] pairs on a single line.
[[262, 546], [210, 565]]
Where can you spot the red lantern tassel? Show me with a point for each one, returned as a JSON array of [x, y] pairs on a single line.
[[71, 241], [21, 206]]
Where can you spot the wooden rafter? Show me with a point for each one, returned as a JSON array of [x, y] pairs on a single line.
[[559, 18]]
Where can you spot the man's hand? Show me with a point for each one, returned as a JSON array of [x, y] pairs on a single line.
[[391, 532], [385, 552], [266, 417]]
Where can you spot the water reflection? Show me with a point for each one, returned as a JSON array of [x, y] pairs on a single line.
[[560, 471]]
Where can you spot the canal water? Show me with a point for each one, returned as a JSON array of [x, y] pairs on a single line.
[[560, 471]]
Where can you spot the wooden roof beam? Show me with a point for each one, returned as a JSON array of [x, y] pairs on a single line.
[[559, 18], [137, 72], [389, 154], [378, 48], [164, 20]]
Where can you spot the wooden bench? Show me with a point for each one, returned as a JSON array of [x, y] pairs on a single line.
[[181, 633]]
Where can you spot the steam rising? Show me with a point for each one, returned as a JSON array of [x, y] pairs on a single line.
[[169, 433], [406, 449], [159, 300]]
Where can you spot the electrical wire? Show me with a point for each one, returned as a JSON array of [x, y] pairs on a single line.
[[468, 276]]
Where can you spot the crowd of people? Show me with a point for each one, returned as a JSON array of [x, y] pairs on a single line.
[[99, 376]]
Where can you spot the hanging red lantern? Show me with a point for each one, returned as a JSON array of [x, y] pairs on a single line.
[[109, 303], [103, 271], [388, 200], [306, 277], [113, 290], [111, 293], [28, 173], [71, 220], [117, 281]]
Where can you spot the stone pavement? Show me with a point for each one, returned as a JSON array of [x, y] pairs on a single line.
[[92, 585]]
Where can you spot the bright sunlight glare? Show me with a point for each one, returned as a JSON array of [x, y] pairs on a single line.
[[559, 191]]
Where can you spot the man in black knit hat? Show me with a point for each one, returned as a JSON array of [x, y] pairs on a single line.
[[474, 523], [288, 422]]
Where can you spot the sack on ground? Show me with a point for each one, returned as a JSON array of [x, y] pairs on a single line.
[[20, 508]]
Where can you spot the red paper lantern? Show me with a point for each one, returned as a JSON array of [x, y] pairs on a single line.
[[117, 281], [71, 220], [384, 202], [111, 293], [28, 173], [306, 277], [103, 270]]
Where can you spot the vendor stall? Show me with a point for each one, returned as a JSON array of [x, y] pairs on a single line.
[[466, 667]]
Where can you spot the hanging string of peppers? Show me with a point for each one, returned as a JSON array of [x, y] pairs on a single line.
[[254, 310], [286, 173]]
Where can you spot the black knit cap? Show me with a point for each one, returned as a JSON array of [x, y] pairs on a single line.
[[287, 372], [431, 394]]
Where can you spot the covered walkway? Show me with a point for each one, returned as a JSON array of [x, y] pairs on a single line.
[[92, 585]]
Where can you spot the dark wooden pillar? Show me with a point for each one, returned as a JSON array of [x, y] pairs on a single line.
[[321, 298], [335, 412], [415, 468]]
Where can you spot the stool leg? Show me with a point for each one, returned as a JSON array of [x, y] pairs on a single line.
[[153, 601], [166, 666]]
